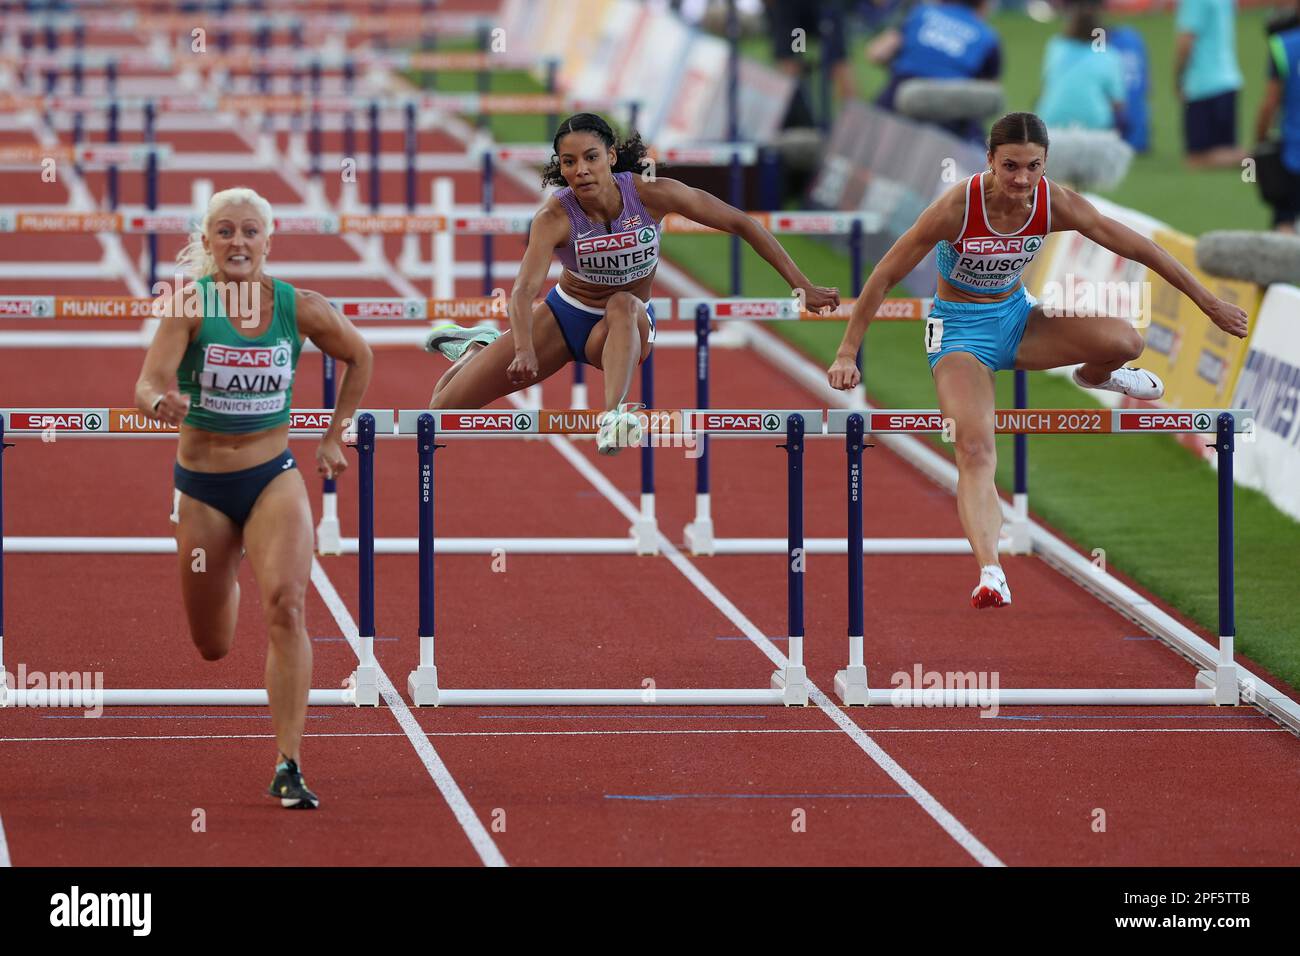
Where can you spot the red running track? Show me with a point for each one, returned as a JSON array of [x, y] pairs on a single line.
[[1182, 786]]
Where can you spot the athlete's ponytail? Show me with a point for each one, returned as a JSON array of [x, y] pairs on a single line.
[[196, 261], [629, 153]]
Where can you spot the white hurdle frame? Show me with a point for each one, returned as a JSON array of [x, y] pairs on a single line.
[[361, 688], [788, 686], [1217, 687]]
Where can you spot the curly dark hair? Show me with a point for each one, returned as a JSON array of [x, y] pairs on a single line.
[[630, 152]]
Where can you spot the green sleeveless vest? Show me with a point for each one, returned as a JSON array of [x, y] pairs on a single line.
[[238, 384]]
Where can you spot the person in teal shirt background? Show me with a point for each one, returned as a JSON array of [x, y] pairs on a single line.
[[1083, 81], [1208, 78]]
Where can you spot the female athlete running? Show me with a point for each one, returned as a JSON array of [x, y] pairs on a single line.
[[239, 489], [985, 231], [604, 224]]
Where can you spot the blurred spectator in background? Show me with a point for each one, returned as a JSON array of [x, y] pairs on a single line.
[[939, 41], [1083, 81], [1278, 169], [1127, 43], [1207, 76], [824, 25]]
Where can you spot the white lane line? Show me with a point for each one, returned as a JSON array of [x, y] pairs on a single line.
[[451, 792], [950, 824], [672, 733], [4, 847]]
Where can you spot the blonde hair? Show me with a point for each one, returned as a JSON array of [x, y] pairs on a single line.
[[196, 261]]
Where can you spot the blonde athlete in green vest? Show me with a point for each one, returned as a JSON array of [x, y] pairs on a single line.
[[239, 490]]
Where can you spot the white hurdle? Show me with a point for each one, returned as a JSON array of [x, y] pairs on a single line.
[[788, 685], [360, 689]]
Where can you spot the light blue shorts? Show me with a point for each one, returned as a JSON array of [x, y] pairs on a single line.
[[991, 331]]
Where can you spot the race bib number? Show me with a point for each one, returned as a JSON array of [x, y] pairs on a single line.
[[933, 335], [245, 379]]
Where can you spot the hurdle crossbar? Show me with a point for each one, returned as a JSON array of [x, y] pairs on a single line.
[[1212, 687]]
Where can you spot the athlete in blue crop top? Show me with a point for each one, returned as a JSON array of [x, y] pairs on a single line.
[[604, 224], [986, 230]]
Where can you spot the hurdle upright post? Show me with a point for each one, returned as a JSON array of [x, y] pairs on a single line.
[[1019, 539], [328, 540], [4, 687], [151, 190], [855, 287], [698, 535], [1224, 676], [645, 528], [793, 678], [851, 683], [410, 261], [366, 678], [733, 134], [422, 683]]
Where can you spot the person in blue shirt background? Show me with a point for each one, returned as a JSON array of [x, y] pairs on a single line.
[[939, 41], [1208, 78], [1127, 43], [1283, 92], [1083, 81]]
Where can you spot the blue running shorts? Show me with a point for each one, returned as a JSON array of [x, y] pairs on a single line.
[[991, 331]]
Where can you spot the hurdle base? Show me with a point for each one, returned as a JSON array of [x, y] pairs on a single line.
[[698, 536], [792, 682], [328, 539], [645, 532], [363, 686], [422, 686], [851, 686], [1223, 681]]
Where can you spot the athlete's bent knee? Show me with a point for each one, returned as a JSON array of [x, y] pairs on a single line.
[[1130, 344], [976, 454]]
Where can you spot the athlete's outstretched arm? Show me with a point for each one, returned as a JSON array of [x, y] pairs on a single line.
[[941, 221], [153, 394], [338, 338], [1072, 211], [668, 195], [550, 229]]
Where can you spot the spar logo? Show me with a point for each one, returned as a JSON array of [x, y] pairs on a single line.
[[887, 421], [739, 421], [485, 422], [39, 421], [1166, 421], [248, 357], [611, 243], [993, 246], [646, 235], [764, 310], [310, 421]]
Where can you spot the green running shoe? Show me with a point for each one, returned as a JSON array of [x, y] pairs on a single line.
[[452, 340], [292, 790]]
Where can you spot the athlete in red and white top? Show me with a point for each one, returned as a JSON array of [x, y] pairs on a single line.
[[984, 232]]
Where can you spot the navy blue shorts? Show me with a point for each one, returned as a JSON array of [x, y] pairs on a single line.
[[1210, 122], [233, 493], [576, 322]]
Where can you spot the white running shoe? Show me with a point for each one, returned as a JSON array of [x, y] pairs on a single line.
[[452, 340], [1133, 382], [619, 428], [992, 590]]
